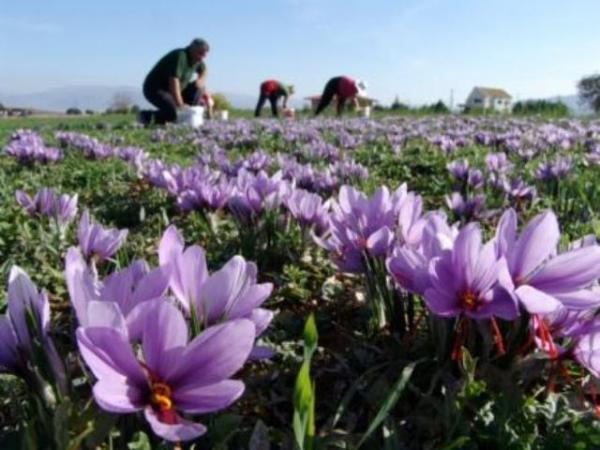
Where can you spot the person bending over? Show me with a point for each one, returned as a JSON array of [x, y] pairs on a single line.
[[344, 89], [273, 90], [169, 85]]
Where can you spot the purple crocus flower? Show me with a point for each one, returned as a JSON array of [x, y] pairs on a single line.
[[120, 300], [359, 224], [409, 265], [171, 376], [519, 192], [459, 169], [26, 202], [466, 208], [470, 280], [65, 209], [308, 209], [18, 335], [497, 163], [229, 293], [60, 207], [97, 242], [546, 282], [475, 178]]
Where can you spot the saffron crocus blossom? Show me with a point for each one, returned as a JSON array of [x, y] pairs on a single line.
[[470, 280], [409, 265], [122, 295], [466, 208], [19, 336], [60, 207], [229, 293], [308, 209], [359, 224], [97, 242], [545, 281], [28, 147], [171, 376], [497, 163], [459, 169]]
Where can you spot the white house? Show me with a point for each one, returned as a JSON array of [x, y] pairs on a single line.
[[489, 99]]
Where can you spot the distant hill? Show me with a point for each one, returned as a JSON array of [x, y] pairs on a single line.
[[99, 98]]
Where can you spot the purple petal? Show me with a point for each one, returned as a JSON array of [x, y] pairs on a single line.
[[536, 301], [379, 242], [441, 303], [109, 356], [165, 336], [209, 398], [261, 318], [486, 269], [537, 242], [80, 284], [214, 355], [224, 287], [466, 252], [105, 314], [502, 305], [260, 352], [581, 300], [118, 397], [587, 352], [192, 270], [183, 430], [22, 295], [569, 271], [171, 245], [152, 285], [506, 233], [8, 346]]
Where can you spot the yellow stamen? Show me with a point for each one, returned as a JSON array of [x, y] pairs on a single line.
[[161, 396], [469, 300]]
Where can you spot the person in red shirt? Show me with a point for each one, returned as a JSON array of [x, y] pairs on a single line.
[[273, 90], [344, 89]]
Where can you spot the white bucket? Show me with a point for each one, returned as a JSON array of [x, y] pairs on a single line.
[[224, 115], [192, 116], [289, 113], [366, 111]]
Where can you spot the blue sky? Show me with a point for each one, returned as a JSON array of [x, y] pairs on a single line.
[[416, 49]]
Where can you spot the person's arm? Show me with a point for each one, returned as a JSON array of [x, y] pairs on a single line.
[[355, 103], [201, 79], [285, 99], [175, 90]]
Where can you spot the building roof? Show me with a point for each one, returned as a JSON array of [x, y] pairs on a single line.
[[492, 92]]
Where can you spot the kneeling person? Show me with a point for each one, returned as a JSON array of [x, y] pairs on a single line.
[[169, 84]]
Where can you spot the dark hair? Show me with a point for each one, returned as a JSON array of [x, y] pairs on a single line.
[[200, 43]]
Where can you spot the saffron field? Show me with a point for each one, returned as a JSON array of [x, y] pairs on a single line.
[[400, 283]]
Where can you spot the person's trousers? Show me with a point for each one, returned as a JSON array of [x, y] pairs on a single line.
[[164, 101], [273, 99], [328, 93]]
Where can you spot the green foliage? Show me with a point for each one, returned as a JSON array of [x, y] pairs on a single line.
[[541, 107], [221, 102], [304, 391]]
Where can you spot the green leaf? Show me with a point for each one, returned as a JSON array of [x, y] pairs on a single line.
[[310, 337], [140, 442], [389, 402]]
